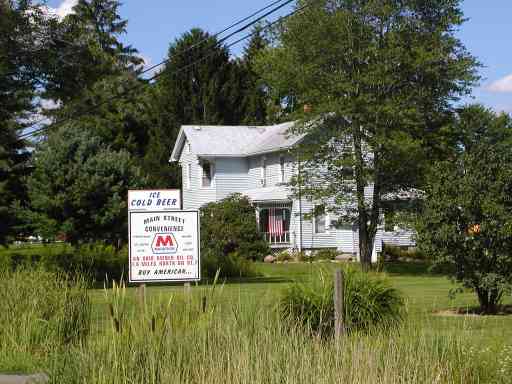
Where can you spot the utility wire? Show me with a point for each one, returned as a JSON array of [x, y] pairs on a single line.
[[235, 24], [279, 20]]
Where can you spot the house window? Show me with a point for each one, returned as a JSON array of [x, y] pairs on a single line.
[[207, 175], [263, 179], [189, 175], [320, 219], [281, 168]]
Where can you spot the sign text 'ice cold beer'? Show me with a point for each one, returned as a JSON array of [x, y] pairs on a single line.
[[154, 200]]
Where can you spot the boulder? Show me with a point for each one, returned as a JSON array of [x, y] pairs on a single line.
[[344, 257], [269, 259], [38, 378]]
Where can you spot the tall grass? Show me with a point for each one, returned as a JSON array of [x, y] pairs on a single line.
[[40, 312], [204, 336]]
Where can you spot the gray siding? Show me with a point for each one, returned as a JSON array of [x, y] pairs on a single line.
[[194, 196], [273, 169], [231, 176], [400, 237]]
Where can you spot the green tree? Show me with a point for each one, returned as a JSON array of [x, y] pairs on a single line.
[[22, 36], [79, 187], [381, 77], [229, 236], [116, 110], [466, 224], [253, 92], [85, 48], [199, 85]]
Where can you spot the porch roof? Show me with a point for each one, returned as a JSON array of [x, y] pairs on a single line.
[[280, 193]]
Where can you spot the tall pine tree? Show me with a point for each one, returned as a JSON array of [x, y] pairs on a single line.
[[85, 48]]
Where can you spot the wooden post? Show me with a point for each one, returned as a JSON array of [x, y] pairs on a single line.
[[187, 288], [142, 295], [339, 304]]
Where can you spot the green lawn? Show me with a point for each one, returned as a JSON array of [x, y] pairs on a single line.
[[426, 294]]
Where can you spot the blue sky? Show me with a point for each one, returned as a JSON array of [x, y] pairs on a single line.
[[153, 24]]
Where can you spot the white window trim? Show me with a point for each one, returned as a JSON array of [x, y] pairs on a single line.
[[327, 223]]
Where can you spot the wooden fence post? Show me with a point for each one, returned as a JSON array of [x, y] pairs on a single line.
[[339, 304]]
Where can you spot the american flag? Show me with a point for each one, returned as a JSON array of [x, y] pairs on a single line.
[[275, 222]]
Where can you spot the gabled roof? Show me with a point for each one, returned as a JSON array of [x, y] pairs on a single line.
[[234, 141]]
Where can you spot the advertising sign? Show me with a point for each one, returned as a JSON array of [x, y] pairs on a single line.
[[154, 200], [164, 246]]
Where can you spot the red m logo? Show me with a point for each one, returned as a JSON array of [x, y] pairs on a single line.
[[162, 241]]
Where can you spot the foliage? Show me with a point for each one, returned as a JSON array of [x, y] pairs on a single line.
[[466, 225], [229, 236], [42, 310], [370, 303], [79, 187], [395, 253], [21, 23], [371, 124], [96, 261], [325, 254], [85, 47], [200, 84]]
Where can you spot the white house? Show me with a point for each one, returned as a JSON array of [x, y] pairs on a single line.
[[217, 161]]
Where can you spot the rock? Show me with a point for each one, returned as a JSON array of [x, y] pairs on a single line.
[[267, 259], [38, 378], [344, 257]]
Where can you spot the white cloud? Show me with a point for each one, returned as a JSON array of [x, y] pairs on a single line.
[[64, 9], [502, 85]]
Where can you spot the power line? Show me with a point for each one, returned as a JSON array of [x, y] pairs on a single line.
[[279, 20], [235, 24]]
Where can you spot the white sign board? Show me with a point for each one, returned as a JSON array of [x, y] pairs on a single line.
[[154, 200], [164, 246]]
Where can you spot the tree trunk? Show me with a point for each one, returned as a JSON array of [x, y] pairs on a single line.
[[488, 300], [367, 221]]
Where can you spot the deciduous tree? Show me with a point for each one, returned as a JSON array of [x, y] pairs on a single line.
[[381, 78], [466, 224]]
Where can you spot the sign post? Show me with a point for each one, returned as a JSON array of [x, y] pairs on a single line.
[[163, 239]]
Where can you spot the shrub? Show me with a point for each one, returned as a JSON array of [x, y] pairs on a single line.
[[284, 256], [370, 303], [229, 233], [395, 253], [325, 254], [96, 261]]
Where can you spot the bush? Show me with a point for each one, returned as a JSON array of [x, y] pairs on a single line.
[[395, 253], [230, 237], [96, 261], [325, 254], [370, 303]]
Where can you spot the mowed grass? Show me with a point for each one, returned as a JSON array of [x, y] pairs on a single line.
[[427, 296]]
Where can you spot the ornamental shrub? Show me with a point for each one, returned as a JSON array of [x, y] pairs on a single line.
[[230, 237], [370, 303]]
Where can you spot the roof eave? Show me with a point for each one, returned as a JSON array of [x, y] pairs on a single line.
[[178, 145]]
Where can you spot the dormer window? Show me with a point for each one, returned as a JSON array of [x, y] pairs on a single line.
[[207, 174]]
